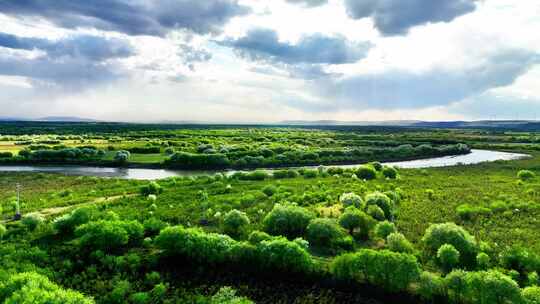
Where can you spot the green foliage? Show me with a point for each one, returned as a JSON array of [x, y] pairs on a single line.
[[531, 295], [389, 172], [269, 190], [384, 229], [382, 201], [152, 188], [122, 156], [153, 226], [448, 257], [390, 270], [32, 221], [194, 244], [397, 242], [33, 288], [67, 223], [483, 260], [353, 219], [256, 237], [430, 286], [235, 223], [109, 235], [366, 172], [227, 295], [351, 199], [376, 212], [467, 212], [483, 287], [287, 220], [285, 256], [525, 175], [3, 231], [449, 233], [324, 232]]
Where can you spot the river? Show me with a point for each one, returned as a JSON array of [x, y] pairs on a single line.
[[476, 156]]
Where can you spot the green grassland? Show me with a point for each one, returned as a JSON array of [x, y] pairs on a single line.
[[108, 238]]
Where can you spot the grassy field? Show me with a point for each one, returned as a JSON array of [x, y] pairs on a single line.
[[501, 212]]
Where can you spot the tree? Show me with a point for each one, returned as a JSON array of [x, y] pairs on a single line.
[[531, 295], [449, 233], [235, 222], [227, 295], [366, 172], [33, 288], [152, 188], [109, 235], [288, 220], [351, 199], [448, 257], [384, 229], [483, 287], [122, 156], [389, 270], [389, 172], [31, 221], [324, 232], [67, 223], [397, 242], [382, 201], [282, 255], [353, 219]]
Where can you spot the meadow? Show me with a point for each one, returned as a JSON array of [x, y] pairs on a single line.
[[370, 234]]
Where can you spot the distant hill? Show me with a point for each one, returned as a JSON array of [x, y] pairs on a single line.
[[526, 125]]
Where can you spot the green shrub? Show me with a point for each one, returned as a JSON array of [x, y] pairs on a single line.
[[227, 295], [376, 165], [67, 223], [269, 190], [382, 201], [384, 229], [531, 295], [153, 226], [310, 173], [389, 270], [482, 260], [397, 242], [285, 256], [287, 220], [324, 232], [353, 219], [258, 175], [430, 286], [194, 244], [525, 175], [235, 223], [280, 174], [351, 199], [376, 212], [449, 233], [152, 188], [256, 237], [484, 287], [389, 172], [109, 235], [366, 172], [30, 287], [32, 220], [448, 257], [467, 212]]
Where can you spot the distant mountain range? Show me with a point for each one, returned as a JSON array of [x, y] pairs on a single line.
[[511, 124], [526, 125]]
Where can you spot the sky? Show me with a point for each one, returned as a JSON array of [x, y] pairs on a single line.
[[244, 61]]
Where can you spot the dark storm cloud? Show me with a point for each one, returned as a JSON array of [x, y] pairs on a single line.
[[308, 3], [155, 17], [437, 87], [74, 62], [264, 45], [397, 17], [95, 48]]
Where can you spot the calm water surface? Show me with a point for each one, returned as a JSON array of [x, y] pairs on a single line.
[[475, 157]]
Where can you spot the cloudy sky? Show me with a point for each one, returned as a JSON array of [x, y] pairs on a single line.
[[270, 60]]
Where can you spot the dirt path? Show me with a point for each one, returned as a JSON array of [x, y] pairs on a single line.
[[47, 212]]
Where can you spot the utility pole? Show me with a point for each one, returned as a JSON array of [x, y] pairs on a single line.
[[18, 203]]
